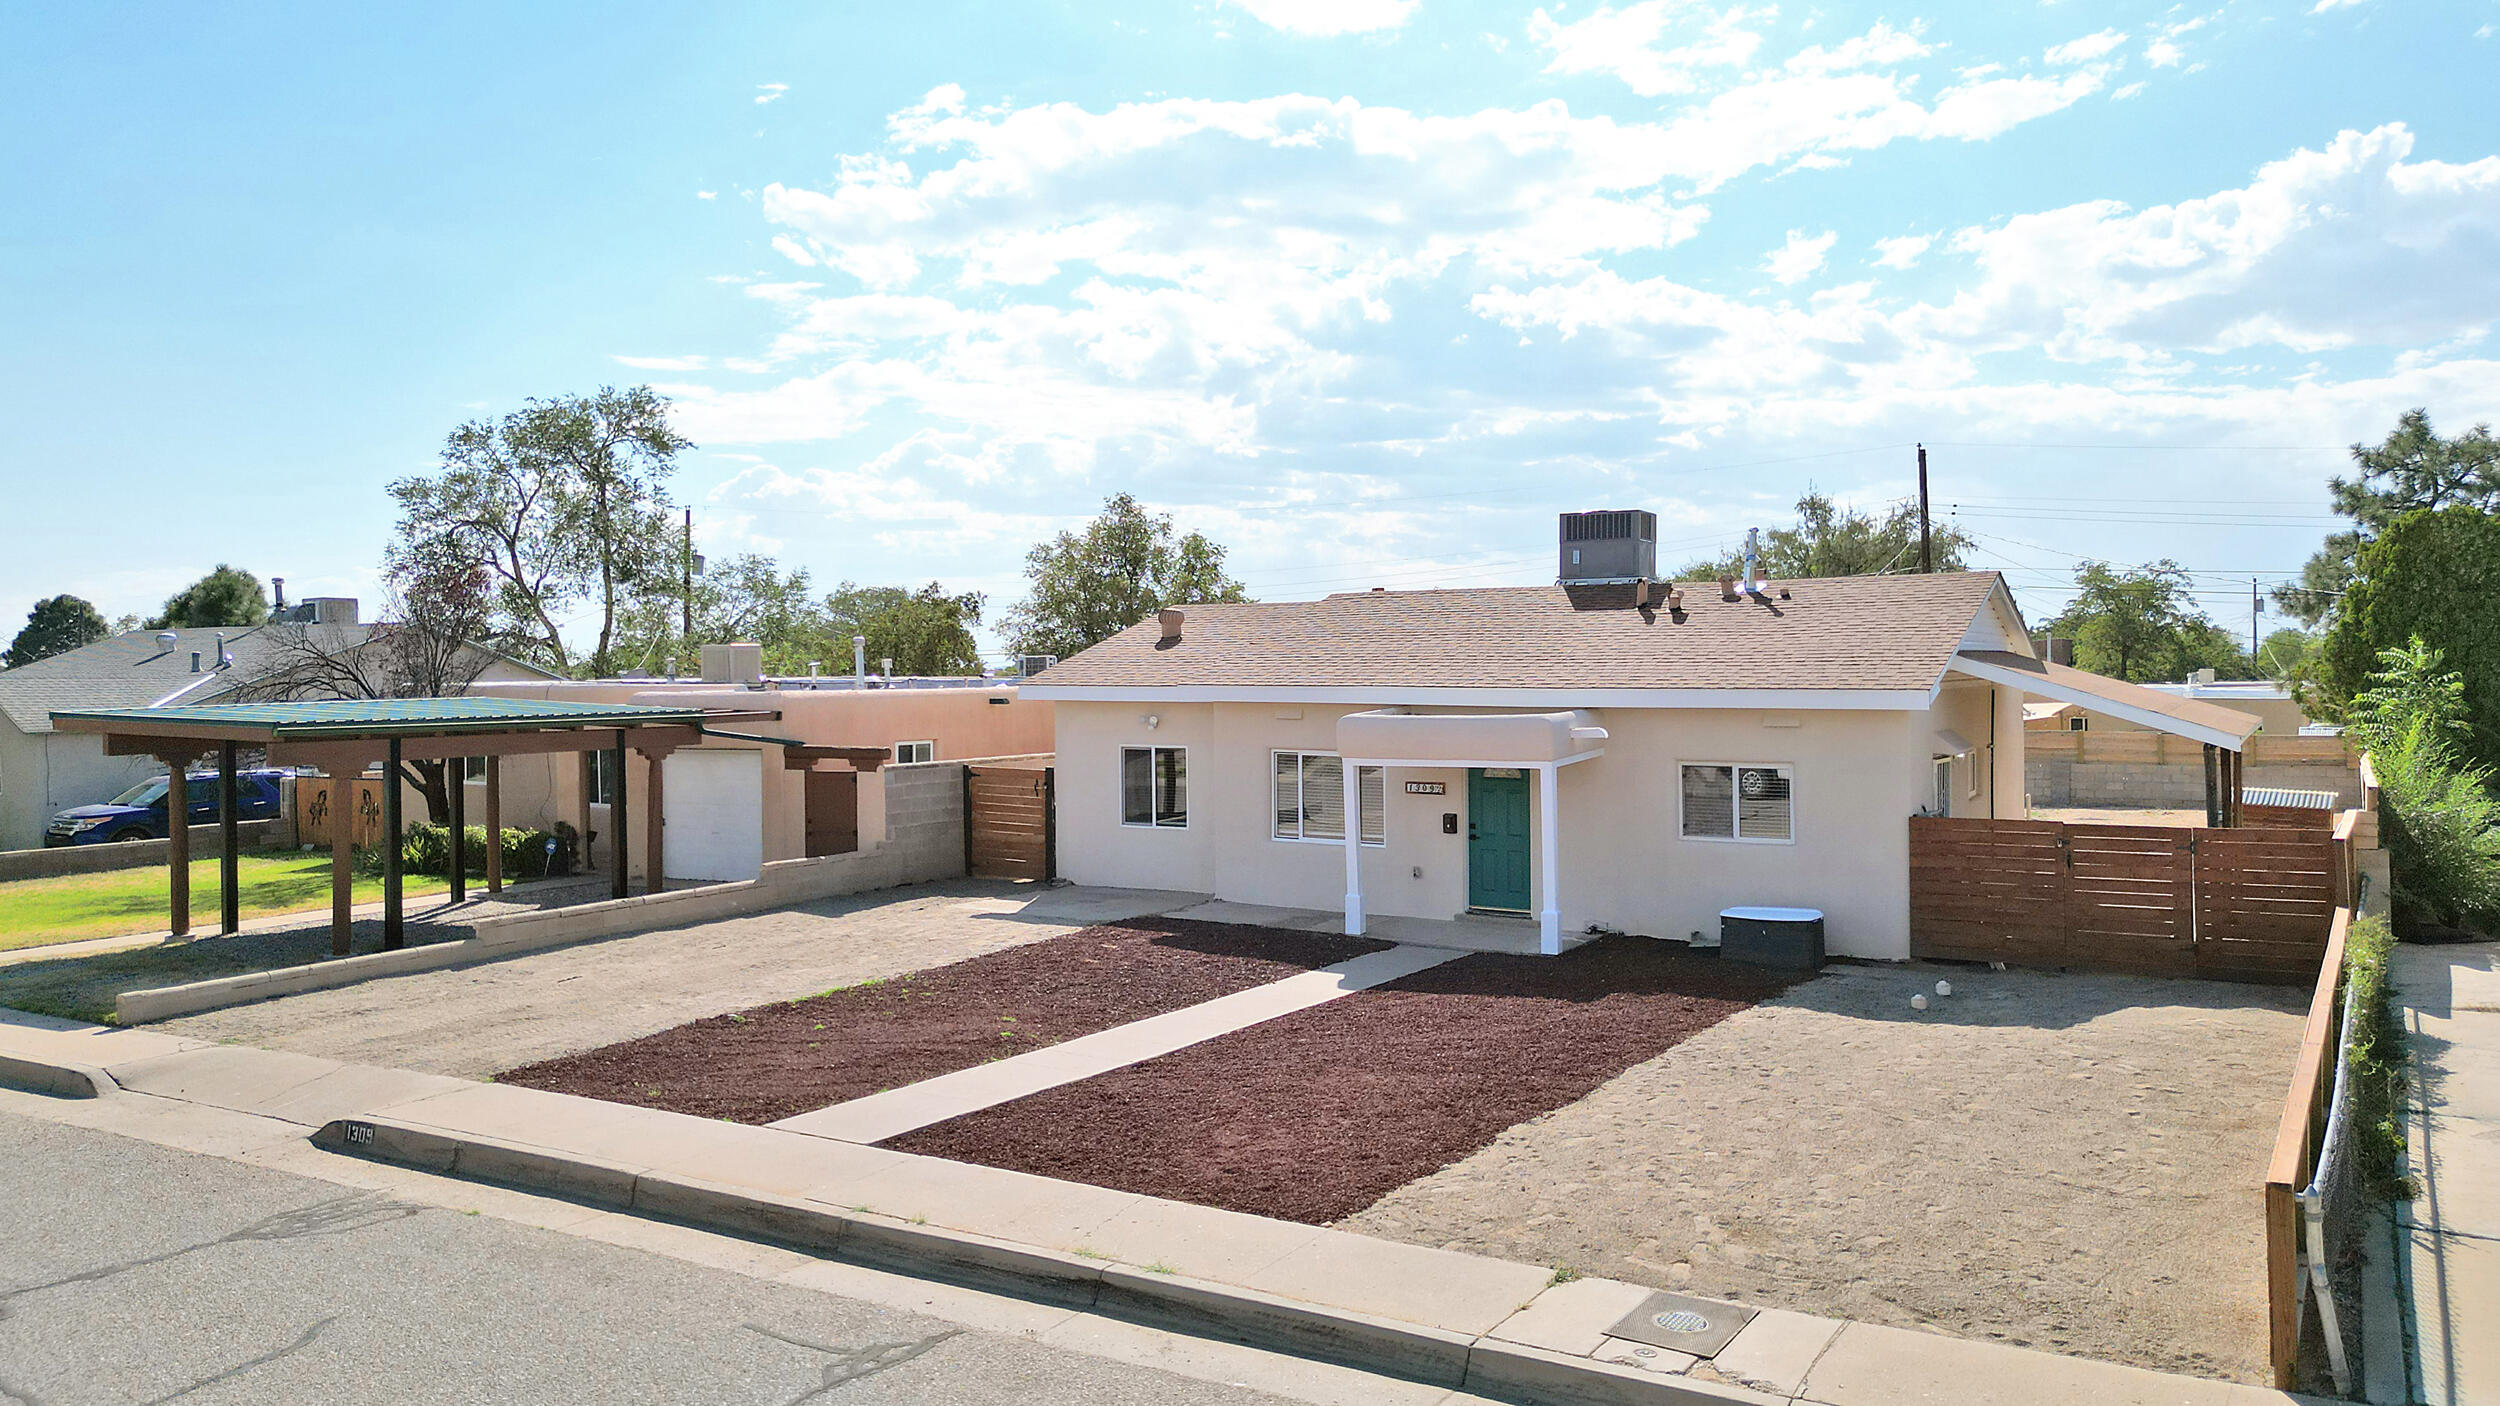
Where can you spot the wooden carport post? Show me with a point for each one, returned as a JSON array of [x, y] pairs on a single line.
[[2213, 785], [178, 838], [456, 781], [655, 843], [394, 920], [229, 835], [343, 776], [618, 847], [494, 823]]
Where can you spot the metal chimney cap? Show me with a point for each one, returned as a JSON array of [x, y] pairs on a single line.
[[1171, 618]]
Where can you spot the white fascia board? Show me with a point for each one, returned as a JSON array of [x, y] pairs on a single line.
[[1453, 763], [2125, 712], [1850, 699]]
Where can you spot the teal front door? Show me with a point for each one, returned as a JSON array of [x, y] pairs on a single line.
[[1497, 841]]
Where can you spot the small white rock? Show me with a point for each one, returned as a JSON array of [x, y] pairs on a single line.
[[1944, 988], [1918, 1003]]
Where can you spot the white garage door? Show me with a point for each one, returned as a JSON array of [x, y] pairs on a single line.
[[715, 804]]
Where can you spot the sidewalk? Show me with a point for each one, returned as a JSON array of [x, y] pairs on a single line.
[[1500, 1329], [2449, 1000]]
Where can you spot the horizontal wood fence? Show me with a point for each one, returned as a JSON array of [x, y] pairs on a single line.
[[1010, 828], [2160, 748], [2227, 904], [2295, 1159]]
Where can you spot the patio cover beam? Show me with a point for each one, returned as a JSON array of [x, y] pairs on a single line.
[[2180, 717]]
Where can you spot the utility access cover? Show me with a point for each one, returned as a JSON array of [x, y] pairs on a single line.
[[1698, 1326]]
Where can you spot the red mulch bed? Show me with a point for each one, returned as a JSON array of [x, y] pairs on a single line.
[[1316, 1115], [780, 1060]]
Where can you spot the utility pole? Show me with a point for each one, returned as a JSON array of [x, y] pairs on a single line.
[[1926, 543], [689, 565], [2256, 607]]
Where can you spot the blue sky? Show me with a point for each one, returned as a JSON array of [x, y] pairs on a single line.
[[1367, 289]]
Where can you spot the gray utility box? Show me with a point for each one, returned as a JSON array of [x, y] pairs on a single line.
[[1790, 939]]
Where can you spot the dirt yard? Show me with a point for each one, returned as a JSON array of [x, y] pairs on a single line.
[[1314, 1115], [2064, 1162], [792, 1057], [471, 1022]]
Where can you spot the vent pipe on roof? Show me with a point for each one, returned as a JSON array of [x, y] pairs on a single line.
[[195, 661], [1170, 619], [859, 661], [1753, 561]]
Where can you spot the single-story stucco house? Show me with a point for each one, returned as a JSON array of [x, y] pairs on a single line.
[[1609, 752]]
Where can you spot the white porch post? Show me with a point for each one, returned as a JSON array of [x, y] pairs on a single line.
[[1549, 859], [1353, 874]]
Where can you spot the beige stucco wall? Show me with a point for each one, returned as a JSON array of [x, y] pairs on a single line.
[[964, 723], [1859, 776], [48, 772]]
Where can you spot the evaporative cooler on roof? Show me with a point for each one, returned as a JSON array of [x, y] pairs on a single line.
[[1611, 544]]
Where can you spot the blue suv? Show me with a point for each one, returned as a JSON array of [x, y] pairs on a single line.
[[139, 813]]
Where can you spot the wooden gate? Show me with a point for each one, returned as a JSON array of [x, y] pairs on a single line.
[[2228, 904], [1010, 822]]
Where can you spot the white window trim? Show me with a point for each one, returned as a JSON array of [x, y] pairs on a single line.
[[1119, 796], [1786, 769], [1334, 841], [477, 780], [901, 760]]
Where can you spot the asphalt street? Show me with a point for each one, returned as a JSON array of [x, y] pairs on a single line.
[[135, 1273]]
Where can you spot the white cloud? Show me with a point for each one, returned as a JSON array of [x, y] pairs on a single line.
[[2325, 5], [707, 195], [2163, 49], [1877, 47], [2087, 48], [662, 363], [1625, 44], [1321, 18], [794, 251], [1800, 256], [1902, 251], [2119, 95], [767, 92]]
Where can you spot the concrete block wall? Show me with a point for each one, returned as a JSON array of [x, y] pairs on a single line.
[[924, 817], [2059, 782], [206, 843]]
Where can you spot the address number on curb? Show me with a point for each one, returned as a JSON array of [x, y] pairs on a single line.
[[357, 1134]]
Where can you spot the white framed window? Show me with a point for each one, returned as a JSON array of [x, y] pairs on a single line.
[[1752, 802], [1971, 759], [915, 751], [1154, 786], [473, 771], [2078, 723], [1309, 795], [1943, 802]]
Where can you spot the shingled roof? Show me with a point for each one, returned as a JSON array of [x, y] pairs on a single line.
[[134, 669], [1884, 633]]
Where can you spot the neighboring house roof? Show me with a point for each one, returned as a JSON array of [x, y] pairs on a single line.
[[2135, 703], [383, 717], [2034, 711], [134, 670], [1876, 634]]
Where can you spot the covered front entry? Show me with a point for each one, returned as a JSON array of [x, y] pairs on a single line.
[[1497, 840], [1498, 751]]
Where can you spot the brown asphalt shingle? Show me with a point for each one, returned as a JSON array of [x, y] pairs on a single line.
[[1851, 632]]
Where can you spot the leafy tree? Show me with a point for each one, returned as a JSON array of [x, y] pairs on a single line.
[[2442, 822], [441, 604], [224, 596], [2432, 575], [55, 626], [747, 598], [2287, 654], [2411, 470], [564, 502], [1830, 540], [924, 632], [2142, 625], [1127, 564]]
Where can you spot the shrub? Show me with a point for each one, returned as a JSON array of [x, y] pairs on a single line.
[[2441, 822], [2376, 1064], [426, 849]]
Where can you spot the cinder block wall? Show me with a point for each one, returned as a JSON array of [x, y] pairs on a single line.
[[924, 819], [2060, 782]]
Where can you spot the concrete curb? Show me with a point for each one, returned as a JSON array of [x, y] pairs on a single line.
[[1170, 1301], [59, 1078]]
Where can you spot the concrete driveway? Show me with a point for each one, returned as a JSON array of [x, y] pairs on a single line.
[[479, 1020]]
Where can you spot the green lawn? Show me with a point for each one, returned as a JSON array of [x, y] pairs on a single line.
[[38, 912]]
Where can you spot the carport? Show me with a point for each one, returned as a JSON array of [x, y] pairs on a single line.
[[343, 737]]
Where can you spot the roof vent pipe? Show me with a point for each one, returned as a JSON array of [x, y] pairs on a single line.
[[1170, 619], [859, 661], [1753, 561], [166, 640], [195, 661]]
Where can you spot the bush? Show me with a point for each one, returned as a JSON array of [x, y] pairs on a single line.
[[2439, 818], [2376, 1064], [426, 849]]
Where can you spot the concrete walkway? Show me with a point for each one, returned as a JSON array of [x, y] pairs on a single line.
[[899, 1111], [1468, 932], [2449, 999], [1483, 1326]]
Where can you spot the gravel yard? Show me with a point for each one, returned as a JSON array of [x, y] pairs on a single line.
[[791, 1057], [1313, 1115], [473, 1022], [2066, 1162]]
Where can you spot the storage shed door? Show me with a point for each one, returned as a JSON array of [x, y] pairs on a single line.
[[715, 803]]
